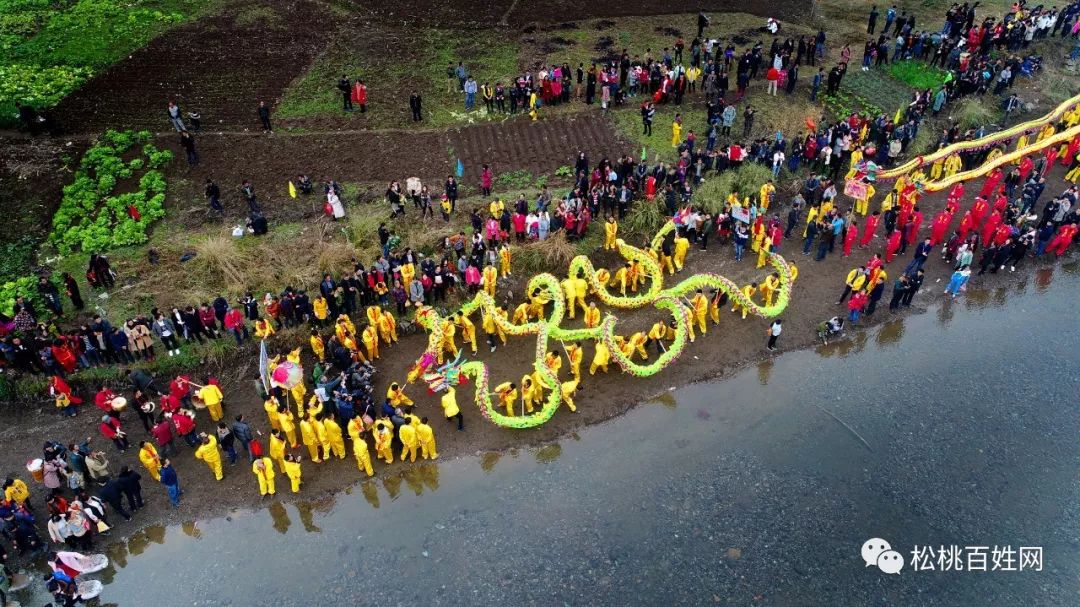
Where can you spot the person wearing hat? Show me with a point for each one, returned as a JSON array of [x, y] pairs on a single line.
[[110, 429]]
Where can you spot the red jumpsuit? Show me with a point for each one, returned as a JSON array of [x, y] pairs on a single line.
[[990, 226], [1002, 234], [940, 225], [849, 240], [966, 225], [868, 230], [892, 246], [953, 201], [991, 183], [1025, 168], [979, 210], [1062, 239]]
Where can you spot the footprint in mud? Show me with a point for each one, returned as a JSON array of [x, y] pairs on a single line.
[[703, 414], [681, 443]]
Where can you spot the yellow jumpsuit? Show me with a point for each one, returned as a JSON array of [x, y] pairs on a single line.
[[320, 309], [448, 345], [862, 205], [468, 331], [611, 231], [567, 390], [600, 358], [208, 452], [554, 362], [335, 442], [277, 452], [953, 164], [508, 397], [603, 277], [318, 347], [409, 441], [384, 436], [621, 278], [397, 396], [637, 343], [575, 355], [263, 329], [388, 327], [592, 316], [701, 307], [263, 468], [765, 196], [569, 295], [363, 458], [714, 307], [148, 455], [768, 289], [811, 215], [528, 391], [427, 441], [682, 245], [665, 262], [676, 134], [490, 280], [311, 441], [370, 337], [763, 251], [288, 426], [292, 470], [521, 316], [211, 396], [505, 258], [748, 292], [936, 168]]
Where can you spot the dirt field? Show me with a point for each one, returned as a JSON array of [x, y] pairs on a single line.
[[220, 66]]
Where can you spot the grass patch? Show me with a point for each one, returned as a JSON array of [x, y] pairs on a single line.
[[418, 63], [918, 75], [746, 181]]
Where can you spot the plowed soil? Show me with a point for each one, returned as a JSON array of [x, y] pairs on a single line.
[[380, 156], [220, 66], [569, 10]]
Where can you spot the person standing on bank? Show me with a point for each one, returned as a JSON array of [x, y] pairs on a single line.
[[264, 116], [774, 333], [414, 106]]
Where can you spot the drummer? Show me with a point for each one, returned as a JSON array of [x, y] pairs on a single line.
[[180, 389], [104, 401]]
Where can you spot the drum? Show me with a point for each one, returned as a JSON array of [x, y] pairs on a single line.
[[37, 469], [119, 403]]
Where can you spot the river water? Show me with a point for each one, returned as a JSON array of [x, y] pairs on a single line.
[[744, 491]]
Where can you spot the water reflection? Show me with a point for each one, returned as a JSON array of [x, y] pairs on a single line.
[[666, 399], [280, 517], [890, 332], [548, 453], [488, 460], [307, 519], [1043, 277], [764, 371], [371, 493], [392, 484], [191, 529]]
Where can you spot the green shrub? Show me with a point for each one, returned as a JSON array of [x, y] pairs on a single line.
[[90, 217], [746, 180], [646, 217]]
